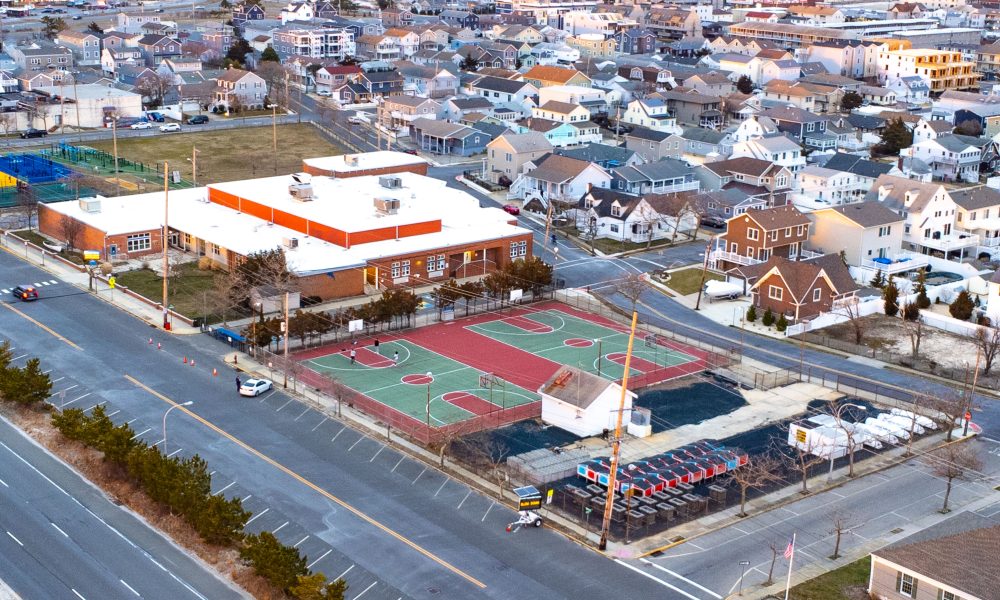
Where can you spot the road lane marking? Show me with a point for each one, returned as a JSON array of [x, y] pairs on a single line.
[[321, 557], [131, 589], [42, 326], [365, 590], [256, 516], [277, 465], [15, 539], [59, 530], [682, 578], [656, 579]]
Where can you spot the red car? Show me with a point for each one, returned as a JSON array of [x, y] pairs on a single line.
[[511, 209]]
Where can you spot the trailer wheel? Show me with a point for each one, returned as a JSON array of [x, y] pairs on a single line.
[[537, 522]]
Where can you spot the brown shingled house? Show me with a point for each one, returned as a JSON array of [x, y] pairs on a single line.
[[759, 234], [800, 289]]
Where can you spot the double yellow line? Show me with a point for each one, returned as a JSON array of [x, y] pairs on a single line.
[[310, 484], [45, 328]]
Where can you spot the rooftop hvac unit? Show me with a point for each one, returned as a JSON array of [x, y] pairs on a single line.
[[386, 206], [90, 205], [301, 191], [301, 177], [291, 243], [351, 160], [390, 183]]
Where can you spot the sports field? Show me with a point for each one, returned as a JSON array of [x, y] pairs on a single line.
[[491, 365]]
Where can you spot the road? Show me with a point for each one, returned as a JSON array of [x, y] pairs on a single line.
[[62, 538]]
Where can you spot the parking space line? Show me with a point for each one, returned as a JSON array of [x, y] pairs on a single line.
[[334, 438], [90, 408], [74, 400], [256, 516], [682, 578], [341, 576], [173, 453], [225, 488], [247, 498], [298, 543], [356, 442], [483, 520], [126, 422], [64, 391], [418, 476], [397, 464], [58, 380], [265, 395], [303, 414], [290, 400], [365, 590], [377, 453], [325, 419], [321, 557], [16, 358], [114, 413], [464, 499], [445, 482], [144, 431], [279, 527], [656, 579]]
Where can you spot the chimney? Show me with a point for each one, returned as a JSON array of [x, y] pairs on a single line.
[[590, 186], [899, 163]]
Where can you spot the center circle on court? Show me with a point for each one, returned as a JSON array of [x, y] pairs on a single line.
[[578, 343], [449, 396], [416, 379]]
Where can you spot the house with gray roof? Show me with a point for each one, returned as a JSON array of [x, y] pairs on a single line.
[[979, 214], [660, 177], [869, 234], [705, 145], [558, 179], [507, 154], [950, 157], [440, 137], [612, 214], [608, 157]]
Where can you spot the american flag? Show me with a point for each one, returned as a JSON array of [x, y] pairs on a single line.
[[790, 550]]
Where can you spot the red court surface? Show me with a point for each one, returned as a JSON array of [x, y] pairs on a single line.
[[579, 343], [527, 324], [415, 379], [639, 364], [469, 402]]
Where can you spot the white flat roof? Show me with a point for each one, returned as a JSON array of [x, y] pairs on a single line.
[[365, 161], [87, 91], [464, 223]]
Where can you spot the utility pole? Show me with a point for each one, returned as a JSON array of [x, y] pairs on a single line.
[[163, 241], [285, 327], [194, 165], [114, 137], [617, 443], [704, 273], [972, 394], [76, 101]]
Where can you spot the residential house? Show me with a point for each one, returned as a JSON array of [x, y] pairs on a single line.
[[594, 100], [397, 17], [615, 215], [245, 12], [155, 48], [378, 47], [705, 145], [710, 84], [543, 76], [929, 214], [856, 59], [674, 23], [440, 137], [352, 92], [239, 88], [803, 126], [906, 10], [987, 116], [456, 108], [941, 562], [562, 134], [800, 289], [113, 59], [784, 70], [651, 113], [432, 82], [689, 107], [660, 177], [506, 92], [865, 171], [951, 157], [331, 77], [460, 18], [133, 22], [326, 9], [382, 83], [752, 128], [407, 41], [941, 69], [819, 187], [298, 11], [85, 45], [563, 112], [217, 43], [911, 89], [979, 214], [758, 178], [558, 179], [608, 157], [652, 145], [317, 42], [38, 56], [757, 235], [868, 235], [777, 149], [635, 41], [507, 154], [793, 94], [722, 204], [397, 112]]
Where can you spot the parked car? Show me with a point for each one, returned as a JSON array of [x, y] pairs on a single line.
[[154, 116], [25, 293], [33, 133], [141, 125], [170, 127], [409, 151], [197, 120], [713, 221], [357, 120], [77, 17], [511, 209], [324, 93], [255, 387]]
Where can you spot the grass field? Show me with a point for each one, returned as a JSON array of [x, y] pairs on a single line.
[[687, 281], [187, 291], [846, 583], [229, 154]]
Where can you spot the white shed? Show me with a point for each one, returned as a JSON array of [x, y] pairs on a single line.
[[582, 403]]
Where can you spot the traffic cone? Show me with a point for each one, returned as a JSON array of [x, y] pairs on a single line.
[[215, 373], [150, 341], [185, 360], [192, 362], [159, 346]]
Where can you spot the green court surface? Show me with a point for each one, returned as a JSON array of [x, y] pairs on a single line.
[[589, 346], [455, 392]]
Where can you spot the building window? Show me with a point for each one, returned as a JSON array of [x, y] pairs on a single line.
[[817, 294], [774, 292], [788, 232], [395, 270], [884, 230], [614, 228], [518, 249], [907, 585], [801, 230], [616, 211], [753, 234], [215, 250], [137, 242], [774, 235]]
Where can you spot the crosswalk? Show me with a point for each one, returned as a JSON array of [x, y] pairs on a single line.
[[37, 284]]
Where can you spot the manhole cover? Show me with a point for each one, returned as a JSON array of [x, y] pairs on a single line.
[[434, 590], [657, 554], [679, 538]]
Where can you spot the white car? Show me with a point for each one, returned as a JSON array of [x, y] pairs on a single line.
[[170, 127], [141, 125], [325, 93], [255, 387], [357, 120]]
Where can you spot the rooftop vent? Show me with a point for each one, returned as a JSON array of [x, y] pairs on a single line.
[[386, 206], [390, 183], [90, 205], [351, 160], [301, 191], [290, 243]]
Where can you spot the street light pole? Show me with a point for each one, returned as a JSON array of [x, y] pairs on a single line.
[[430, 378], [600, 355], [164, 240], [188, 403], [850, 439], [744, 564]]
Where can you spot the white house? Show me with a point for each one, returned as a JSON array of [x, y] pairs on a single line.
[[829, 187], [930, 214], [651, 113], [582, 403], [754, 128], [558, 178], [626, 217], [784, 70], [950, 157], [777, 149], [297, 11]]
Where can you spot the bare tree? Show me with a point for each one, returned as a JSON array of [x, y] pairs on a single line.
[[449, 436], [27, 203], [801, 460], [841, 525], [70, 229], [858, 324], [947, 410], [918, 401], [954, 461], [988, 340], [631, 286], [914, 329], [775, 548], [491, 456], [758, 472], [154, 87]]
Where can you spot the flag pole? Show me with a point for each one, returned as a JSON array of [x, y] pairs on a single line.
[[788, 582]]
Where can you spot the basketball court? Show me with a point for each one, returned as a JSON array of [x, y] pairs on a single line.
[[487, 368]]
